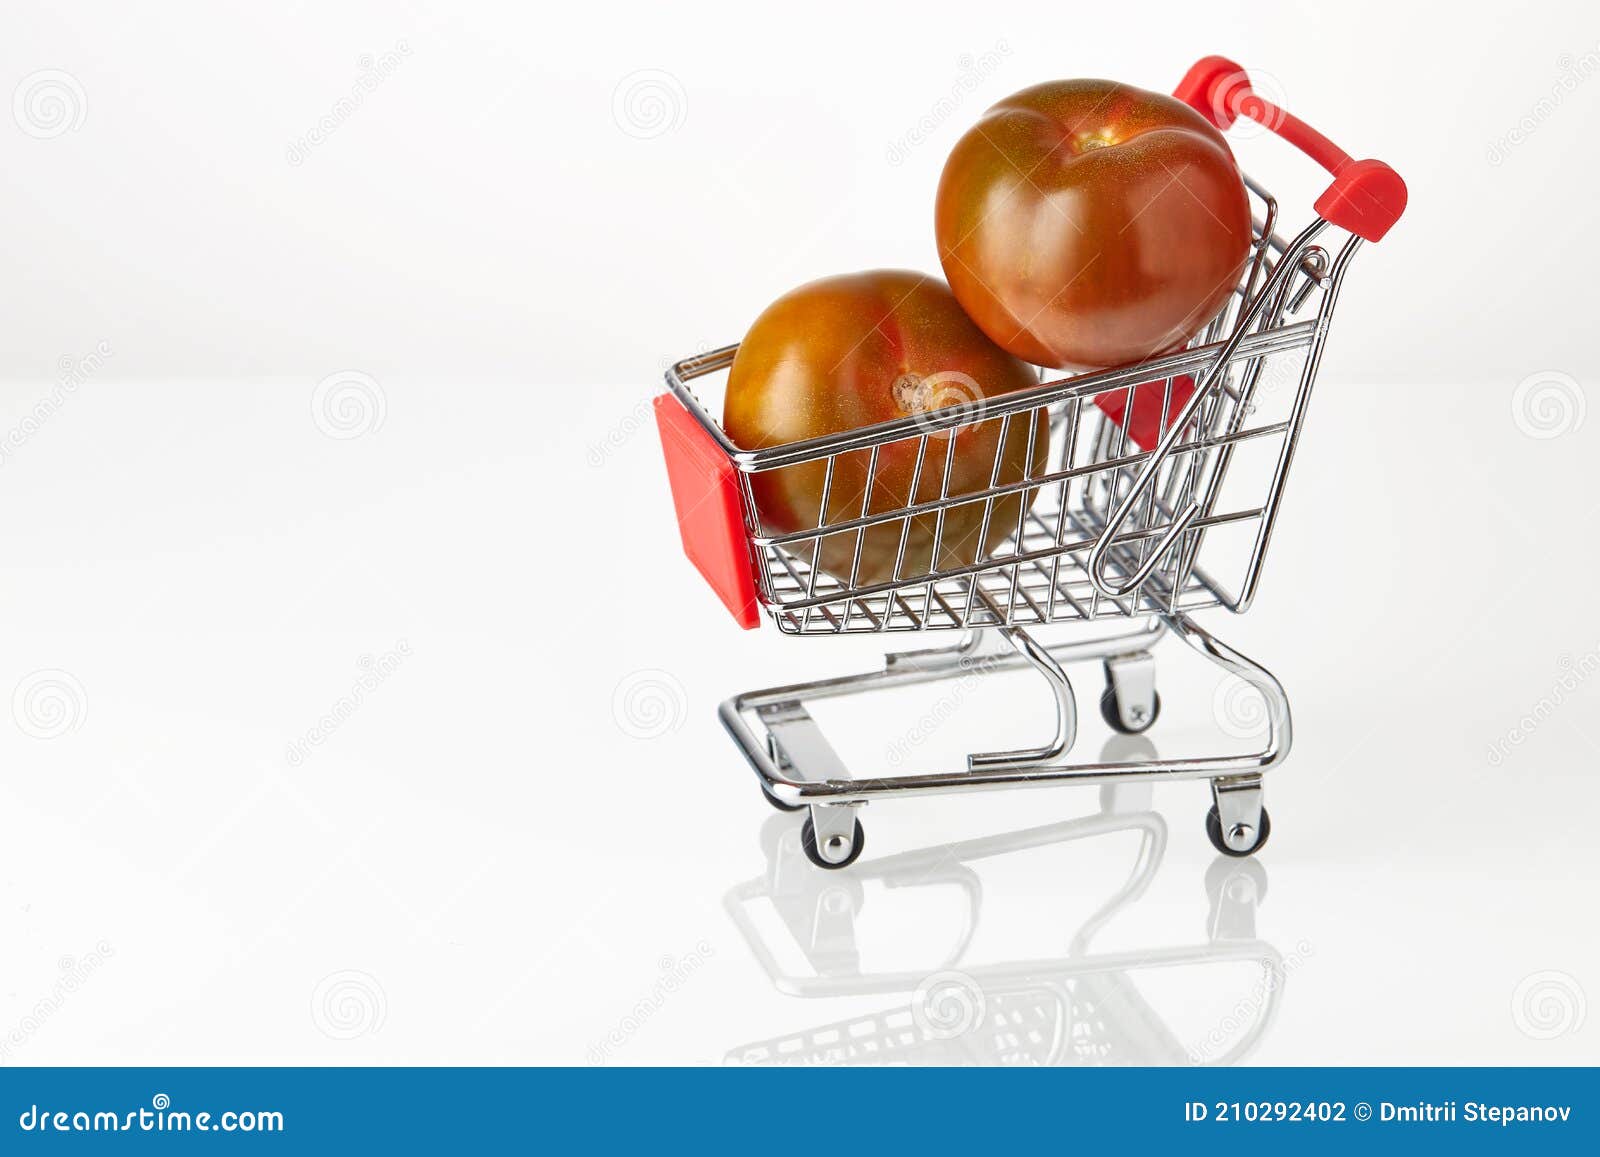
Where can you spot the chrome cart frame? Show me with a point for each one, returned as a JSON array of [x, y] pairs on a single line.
[[799, 768], [1137, 509]]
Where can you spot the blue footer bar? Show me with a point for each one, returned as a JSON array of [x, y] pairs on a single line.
[[776, 1111]]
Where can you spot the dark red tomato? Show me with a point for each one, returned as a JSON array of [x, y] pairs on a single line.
[[1084, 223], [850, 351]]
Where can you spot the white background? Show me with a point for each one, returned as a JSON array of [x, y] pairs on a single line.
[[507, 240]]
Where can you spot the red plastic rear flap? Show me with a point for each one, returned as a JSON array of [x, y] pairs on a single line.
[[705, 490], [1145, 426]]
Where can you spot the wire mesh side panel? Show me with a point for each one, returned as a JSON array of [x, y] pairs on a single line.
[[908, 539]]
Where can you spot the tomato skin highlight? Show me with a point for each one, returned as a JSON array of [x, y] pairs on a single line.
[[853, 350], [1085, 223]]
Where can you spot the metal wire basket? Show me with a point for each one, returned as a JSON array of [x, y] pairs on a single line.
[[1105, 527]]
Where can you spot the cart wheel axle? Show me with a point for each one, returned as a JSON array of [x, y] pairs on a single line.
[[808, 842], [1245, 841], [1130, 703], [1111, 712]]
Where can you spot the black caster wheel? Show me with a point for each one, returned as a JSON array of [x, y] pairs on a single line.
[[1113, 718], [808, 842], [1214, 830], [778, 803]]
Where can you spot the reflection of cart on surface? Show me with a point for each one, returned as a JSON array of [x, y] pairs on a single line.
[[1082, 1009], [1155, 498]]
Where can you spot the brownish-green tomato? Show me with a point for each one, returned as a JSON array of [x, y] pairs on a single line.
[[854, 350], [1084, 223]]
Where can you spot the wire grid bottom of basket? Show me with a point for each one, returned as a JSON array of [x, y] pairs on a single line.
[[1039, 582]]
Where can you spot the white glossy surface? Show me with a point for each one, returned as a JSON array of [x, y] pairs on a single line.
[[485, 862]]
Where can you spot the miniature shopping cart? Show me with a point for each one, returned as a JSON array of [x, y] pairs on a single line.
[[1156, 498]]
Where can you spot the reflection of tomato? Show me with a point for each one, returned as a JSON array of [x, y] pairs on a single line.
[[1084, 223], [850, 351]]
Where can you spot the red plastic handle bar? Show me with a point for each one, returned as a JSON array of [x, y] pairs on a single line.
[[1366, 197]]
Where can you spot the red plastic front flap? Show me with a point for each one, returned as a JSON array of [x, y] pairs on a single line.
[[1144, 428], [705, 490]]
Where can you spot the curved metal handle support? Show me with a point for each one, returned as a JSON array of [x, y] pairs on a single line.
[[1066, 709], [1099, 554]]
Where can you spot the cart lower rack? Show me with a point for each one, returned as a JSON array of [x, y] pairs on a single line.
[[1149, 492]]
